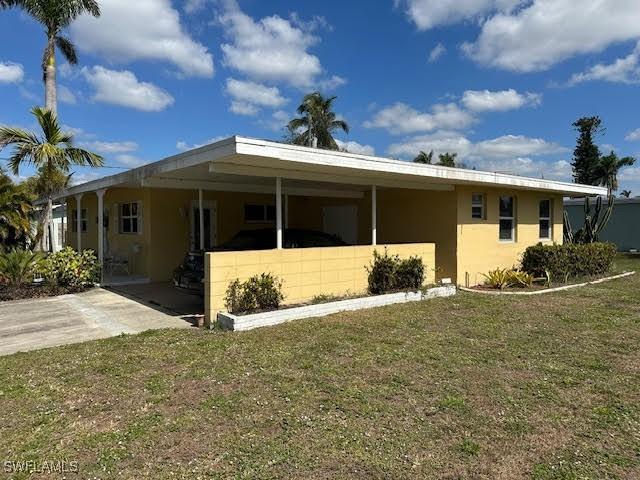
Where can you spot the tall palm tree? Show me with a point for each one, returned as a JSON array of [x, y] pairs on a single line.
[[317, 123], [447, 159], [424, 157], [52, 152], [16, 210], [608, 168], [55, 16]]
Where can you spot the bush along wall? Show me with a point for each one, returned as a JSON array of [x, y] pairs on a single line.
[[390, 273], [561, 262], [260, 292]]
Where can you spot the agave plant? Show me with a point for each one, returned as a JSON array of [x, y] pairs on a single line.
[[499, 278], [18, 266]]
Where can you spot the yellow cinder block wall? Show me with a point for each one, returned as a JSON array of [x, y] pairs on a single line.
[[305, 272], [478, 246]]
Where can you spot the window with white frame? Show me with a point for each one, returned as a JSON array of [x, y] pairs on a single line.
[[545, 220], [129, 217], [477, 206], [255, 213], [507, 229], [83, 220]]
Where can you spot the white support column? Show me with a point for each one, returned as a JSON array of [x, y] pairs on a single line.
[[374, 215], [278, 213], [100, 194], [79, 221], [201, 218]]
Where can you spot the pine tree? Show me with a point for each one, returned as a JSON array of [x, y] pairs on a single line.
[[586, 156]]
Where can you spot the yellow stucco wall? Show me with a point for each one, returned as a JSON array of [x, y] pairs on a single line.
[[478, 246], [305, 272]]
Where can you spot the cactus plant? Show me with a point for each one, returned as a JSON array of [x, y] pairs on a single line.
[[594, 221]]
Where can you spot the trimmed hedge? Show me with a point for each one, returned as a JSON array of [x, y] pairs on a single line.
[[568, 260], [390, 273]]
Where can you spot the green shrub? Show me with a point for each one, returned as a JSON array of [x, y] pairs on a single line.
[[568, 260], [260, 292], [389, 273], [18, 266], [68, 268]]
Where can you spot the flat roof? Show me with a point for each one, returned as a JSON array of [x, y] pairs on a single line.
[[243, 157], [618, 200]]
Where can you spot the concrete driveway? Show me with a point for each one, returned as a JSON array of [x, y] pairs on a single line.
[[97, 313]]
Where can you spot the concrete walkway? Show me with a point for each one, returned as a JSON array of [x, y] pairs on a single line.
[[97, 313]]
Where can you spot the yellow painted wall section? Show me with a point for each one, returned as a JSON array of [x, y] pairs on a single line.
[[479, 248], [421, 216], [305, 272]]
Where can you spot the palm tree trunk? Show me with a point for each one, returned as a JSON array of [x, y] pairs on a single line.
[[50, 223], [50, 94]]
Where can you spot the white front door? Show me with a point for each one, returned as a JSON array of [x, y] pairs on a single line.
[[210, 225], [341, 221]]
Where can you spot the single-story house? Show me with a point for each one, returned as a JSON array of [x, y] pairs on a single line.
[[623, 228], [462, 222]]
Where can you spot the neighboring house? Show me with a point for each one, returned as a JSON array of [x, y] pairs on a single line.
[[59, 227], [463, 222], [623, 227]]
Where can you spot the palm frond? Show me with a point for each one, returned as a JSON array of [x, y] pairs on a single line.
[[80, 156], [68, 49]]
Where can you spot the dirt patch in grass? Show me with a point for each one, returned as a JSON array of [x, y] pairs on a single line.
[[465, 387]]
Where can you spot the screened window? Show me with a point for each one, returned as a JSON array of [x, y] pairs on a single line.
[[477, 206], [83, 220], [129, 218], [507, 219], [254, 213], [545, 219]]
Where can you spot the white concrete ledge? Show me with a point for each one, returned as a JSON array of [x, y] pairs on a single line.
[[547, 290], [263, 319]]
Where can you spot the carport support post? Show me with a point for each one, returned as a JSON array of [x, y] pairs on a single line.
[[278, 213], [374, 211], [201, 218], [100, 194], [79, 221]]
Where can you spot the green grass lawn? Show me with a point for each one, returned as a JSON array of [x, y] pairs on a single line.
[[472, 386]]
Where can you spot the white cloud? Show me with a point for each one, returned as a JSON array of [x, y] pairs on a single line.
[[507, 154], [622, 70], [437, 52], [633, 136], [66, 96], [249, 96], [427, 14], [271, 49], [130, 160], [546, 32], [111, 147], [332, 82], [193, 6], [81, 177], [123, 88], [401, 118], [355, 147], [183, 146], [142, 30], [485, 100], [11, 72]]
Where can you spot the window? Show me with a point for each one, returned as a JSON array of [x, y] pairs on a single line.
[[259, 213], [83, 220], [545, 220], [129, 217], [477, 206], [507, 219]]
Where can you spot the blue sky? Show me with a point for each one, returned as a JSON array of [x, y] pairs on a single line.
[[497, 81]]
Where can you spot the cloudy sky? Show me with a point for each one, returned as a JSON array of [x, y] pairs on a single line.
[[497, 81]]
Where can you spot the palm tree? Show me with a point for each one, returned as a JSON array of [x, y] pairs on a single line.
[[317, 123], [608, 168], [16, 210], [447, 159], [51, 153], [424, 157], [625, 193], [55, 16]]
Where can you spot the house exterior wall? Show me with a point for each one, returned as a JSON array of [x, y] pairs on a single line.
[[623, 227], [478, 246], [305, 272]]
